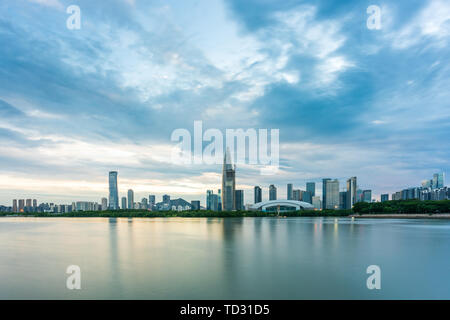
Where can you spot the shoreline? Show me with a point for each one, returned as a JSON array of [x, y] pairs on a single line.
[[402, 216], [355, 216]]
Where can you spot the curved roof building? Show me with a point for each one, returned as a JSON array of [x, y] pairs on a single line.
[[282, 206]]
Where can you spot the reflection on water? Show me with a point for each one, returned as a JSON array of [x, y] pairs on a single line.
[[250, 258]]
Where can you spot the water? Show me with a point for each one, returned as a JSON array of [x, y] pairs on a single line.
[[250, 258]]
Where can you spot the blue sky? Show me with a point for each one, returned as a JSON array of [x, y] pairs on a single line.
[[348, 101]]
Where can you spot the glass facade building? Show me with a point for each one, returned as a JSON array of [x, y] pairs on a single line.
[[113, 191]]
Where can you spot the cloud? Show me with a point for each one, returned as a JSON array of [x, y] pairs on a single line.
[[49, 3]]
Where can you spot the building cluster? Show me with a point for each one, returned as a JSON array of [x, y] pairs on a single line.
[[229, 199], [433, 189]]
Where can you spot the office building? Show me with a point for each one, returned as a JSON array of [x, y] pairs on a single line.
[[151, 200], [311, 188], [289, 191], [367, 196], [239, 198], [296, 195], [228, 183], [166, 199], [316, 202], [351, 192], [195, 205], [113, 191], [105, 204], [130, 198], [21, 205], [219, 199], [124, 203], [343, 200], [212, 201], [331, 199], [324, 192], [272, 192], [258, 194]]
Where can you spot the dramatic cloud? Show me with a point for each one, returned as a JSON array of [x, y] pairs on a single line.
[[75, 104]]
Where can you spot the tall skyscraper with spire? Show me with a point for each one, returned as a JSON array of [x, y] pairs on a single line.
[[228, 183]]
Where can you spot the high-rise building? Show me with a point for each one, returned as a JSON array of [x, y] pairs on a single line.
[[305, 196], [296, 195], [324, 192], [14, 206], [258, 194], [359, 195], [166, 199], [219, 199], [228, 183], [212, 201], [28, 203], [351, 192], [316, 202], [343, 199], [105, 204], [331, 199], [195, 205], [239, 198], [384, 197], [440, 180], [21, 205], [367, 195], [151, 200], [113, 191], [34, 203], [130, 197], [311, 188], [272, 192], [290, 194], [124, 203]]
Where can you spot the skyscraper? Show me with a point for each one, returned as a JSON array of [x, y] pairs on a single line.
[[440, 180], [228, 183], [367, 195], [239, 198], [130, 199], [351, 192], [166, 199], [21, 205], [212, 201], [151, 200], [124, 203], [324, 192], [113, 191], [195, 205], [311, 188], [34, 203], [331, 199], [343, 199], [272, 192], [290, 194], [14, 206], [258, 194], [105, 204]]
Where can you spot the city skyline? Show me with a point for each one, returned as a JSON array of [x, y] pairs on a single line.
[[107, 97], [333, 195]]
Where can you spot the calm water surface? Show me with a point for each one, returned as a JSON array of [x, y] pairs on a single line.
[[249, 258]]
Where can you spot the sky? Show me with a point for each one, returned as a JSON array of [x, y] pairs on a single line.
[[347, 100]]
